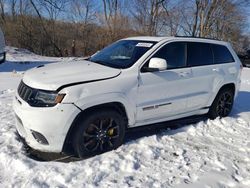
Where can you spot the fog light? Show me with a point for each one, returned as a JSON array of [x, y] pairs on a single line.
[[39, 138]]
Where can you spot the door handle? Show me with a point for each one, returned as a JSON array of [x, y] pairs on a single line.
[[216, 69], [184, 74]]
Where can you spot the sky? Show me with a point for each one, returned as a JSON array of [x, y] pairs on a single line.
[[98, 7]]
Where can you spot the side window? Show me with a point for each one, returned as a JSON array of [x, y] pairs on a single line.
[[199, 54], [221, 54], [174, 54]]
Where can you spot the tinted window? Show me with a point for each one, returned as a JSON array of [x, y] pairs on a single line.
[[221, 54], [174, 54], [199, 54]]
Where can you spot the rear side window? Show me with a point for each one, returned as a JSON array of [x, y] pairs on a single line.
[[174, 54], [221, 54], [199, 54]]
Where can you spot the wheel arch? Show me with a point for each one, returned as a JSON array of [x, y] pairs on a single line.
[[67, 146], [212, 113], [230, 85]]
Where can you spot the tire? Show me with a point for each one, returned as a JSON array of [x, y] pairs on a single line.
[[222, 104], [98, 132]]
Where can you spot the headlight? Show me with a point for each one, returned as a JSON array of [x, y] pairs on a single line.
[[47, 98]]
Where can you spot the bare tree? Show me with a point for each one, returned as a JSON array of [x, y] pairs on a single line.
[[53, 7], [111, 8], [171, 17], [2, 10], [83, 13], [13, 8], [207, 18], [114, 19], [147, 15]]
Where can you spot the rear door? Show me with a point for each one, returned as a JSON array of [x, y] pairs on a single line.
[[200, 59], [227, 70]]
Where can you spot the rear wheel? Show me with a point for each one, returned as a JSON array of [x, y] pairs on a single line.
[[98, 132], [222, 104]]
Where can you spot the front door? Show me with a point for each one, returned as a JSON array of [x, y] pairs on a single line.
[[164, 93]]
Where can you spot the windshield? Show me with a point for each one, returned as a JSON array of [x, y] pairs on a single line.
[[122, 54]]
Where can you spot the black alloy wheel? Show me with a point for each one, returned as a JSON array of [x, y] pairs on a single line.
[[99, 132], [222, 104], [101, 135]]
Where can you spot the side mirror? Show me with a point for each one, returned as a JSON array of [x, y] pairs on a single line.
[[156, 64]]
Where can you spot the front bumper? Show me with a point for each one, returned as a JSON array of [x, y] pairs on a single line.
[[51, 122]]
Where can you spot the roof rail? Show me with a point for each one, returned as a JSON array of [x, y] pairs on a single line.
[[198, 37]]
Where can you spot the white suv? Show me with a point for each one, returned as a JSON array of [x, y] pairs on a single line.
[[88, 105]]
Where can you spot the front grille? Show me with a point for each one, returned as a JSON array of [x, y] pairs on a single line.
[[26, 92]]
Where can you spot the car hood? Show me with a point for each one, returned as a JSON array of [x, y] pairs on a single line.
[[55, 76]]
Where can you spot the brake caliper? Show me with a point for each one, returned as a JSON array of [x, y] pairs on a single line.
[[111, 132]]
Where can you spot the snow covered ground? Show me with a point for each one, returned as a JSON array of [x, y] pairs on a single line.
[[209, 154]]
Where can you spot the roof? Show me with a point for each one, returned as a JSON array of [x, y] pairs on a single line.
[[149, 38], [186, 38]]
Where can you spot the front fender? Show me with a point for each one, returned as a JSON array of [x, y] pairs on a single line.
[[95, 100]]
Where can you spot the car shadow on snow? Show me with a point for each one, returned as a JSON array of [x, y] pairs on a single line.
[[242, 103], [131, 135]]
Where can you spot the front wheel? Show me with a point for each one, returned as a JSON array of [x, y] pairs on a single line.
[[98, 132], [223, 104]]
